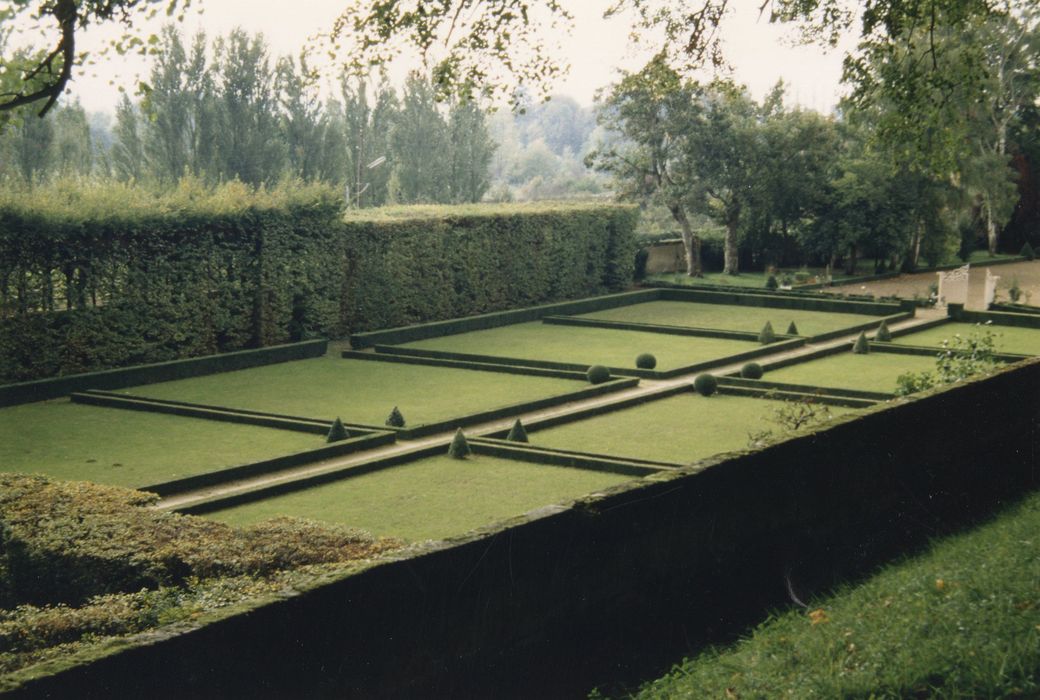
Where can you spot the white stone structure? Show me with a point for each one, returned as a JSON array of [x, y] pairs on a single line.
[[953, 286], [991, 288]]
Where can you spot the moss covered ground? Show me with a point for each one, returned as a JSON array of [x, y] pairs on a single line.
[[361, 391], [681, 428], [129, 448], [431, 498], [959, 621], [1021, 341], [586, 346], [876, 371], [732, 318]]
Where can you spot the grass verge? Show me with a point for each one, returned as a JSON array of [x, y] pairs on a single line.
[[875, 371], [961, 620]]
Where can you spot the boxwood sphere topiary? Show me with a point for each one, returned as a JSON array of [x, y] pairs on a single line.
[[646, 361], [752, 370], [706, 384], [598, 374]]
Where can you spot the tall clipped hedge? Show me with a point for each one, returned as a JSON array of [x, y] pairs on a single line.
[[98, 276]]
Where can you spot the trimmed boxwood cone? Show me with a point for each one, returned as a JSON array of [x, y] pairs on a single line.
[[459, 448], [862, 346], [883, 334], [337, 432], [517, 432], [792, 329], [395, 419], [767, 335]]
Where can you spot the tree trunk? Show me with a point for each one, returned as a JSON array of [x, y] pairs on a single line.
[[850, 262], [992, 234], [691, 242], [731, 262]]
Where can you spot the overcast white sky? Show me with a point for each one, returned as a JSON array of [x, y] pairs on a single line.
[[596, 49]]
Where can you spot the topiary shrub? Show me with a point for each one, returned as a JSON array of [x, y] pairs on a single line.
[[517, 432], [459, 447], [792, 329], [767, 336], [771, 282], [883, 334], [646, 361], [706, 384], [597, 374], [337, 432], [1027, 251], [395, 419], [752, 370], [861, 346]]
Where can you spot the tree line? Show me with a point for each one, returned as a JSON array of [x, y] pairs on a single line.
[[226, 109]]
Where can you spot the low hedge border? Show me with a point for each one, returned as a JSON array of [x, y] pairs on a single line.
[[337, 474], [1014, 308], [424, 429], [872, 325], [574, 367], [42, 389], [998, 318], [435, 329], [218, 413], [268, 466], [893, 348], [549, 456], [656, 328], [761, 392], [814, 303], [805, 389], [858, 279], [462, 364], [544, 448], [900, 332]]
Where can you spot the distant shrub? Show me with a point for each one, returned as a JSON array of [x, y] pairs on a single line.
[[883, 334], [337, 432], [752, 370], [1014, 291], [459, 447], [792, 329], [646, 361], [517, 433], [802, 276], [767, 335], [1027, 251], [771, 282], [862, 345], [706, 384], [597, 374], [395, 419]]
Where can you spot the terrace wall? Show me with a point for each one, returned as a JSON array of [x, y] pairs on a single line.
[[559, 598]]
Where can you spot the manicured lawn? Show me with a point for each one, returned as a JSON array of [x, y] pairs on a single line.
[[961, 621], [361, 391], [876, 371], [681, 428], [1022, 341], [586, 346], [432, 498], [130, 448], [732, 318]]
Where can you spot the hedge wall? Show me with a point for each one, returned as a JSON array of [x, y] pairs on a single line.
[[108, 276]]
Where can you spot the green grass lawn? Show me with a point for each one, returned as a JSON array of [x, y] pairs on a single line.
[[1022, 341], [733, 318], [876, 371], [960, 621], [130, 448], [681, 428], [361, 391], [432, 498], [586, 346]]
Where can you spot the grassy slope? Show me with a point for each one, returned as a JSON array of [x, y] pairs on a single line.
[[1024, 341], [360, 390], [736, 318], [128, 448], [681, 428], [874, 372], [430, 499], [962, 620], [586, 346]]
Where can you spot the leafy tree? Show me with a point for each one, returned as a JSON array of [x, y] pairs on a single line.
[[420, 146], [471, 152], [304, 124], [167, 107], [73, 152], [128, 158], [367, 132]]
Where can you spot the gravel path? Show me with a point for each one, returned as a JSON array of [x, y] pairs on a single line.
[[907, 286]]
